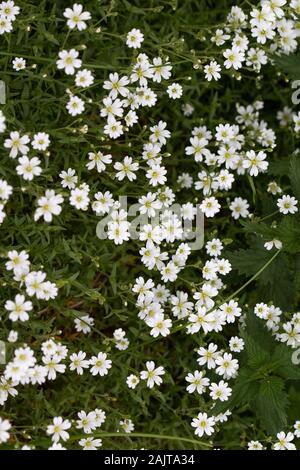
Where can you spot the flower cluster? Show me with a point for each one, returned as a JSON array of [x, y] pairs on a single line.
[[138, 311]]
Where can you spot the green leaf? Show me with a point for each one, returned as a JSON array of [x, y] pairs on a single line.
[[283, 363], [271, 404], [244, 390], [290, 64], [257, 355], [294, 175]]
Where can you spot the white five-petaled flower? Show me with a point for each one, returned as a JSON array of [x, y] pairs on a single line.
[[58, 430], [134, 39], [203, 424], [127, 169], [77, 17], [49, 205], [68, 60], [17, 143], [28, 168], [152, 374], [100, 364], [287, 204], [198, 382], [285, 441]]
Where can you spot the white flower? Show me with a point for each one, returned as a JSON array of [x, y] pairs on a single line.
[[5, 190], [103, 202], [112, 108], [227, 366], [69, 179], [4, 428], [126, 169], [210, 206], [53, 366], [127, 425], [84, 78], [239, 208], [18, 262], [28, 168], [181, 307], [149, 204], [116, 85], [160, 70], [274, 188], [152, 374], [200, 319], [99, 161], [18, 308], [175, 91], [234, 58], [100, 364], [236, 344], [5, 25], [9, 10], [84, 324], [132, 381], [75, 106], [285, 441], [68, 60], [231, 311], [79, 198], [220, 391], [134, 39], [156, 175], [58, 430], [56, 446], [49, 205], [269, 245], [160, 133], [87, 422], [287, 204], [40, 141], [169, 272], [78, 362], [77, 17], [19, 64], [2, 122], [11, 338], [208, 356], [255, 163], [197, 382], [212, 71], [113, 128], [90, 443], [17, 143], [197, 148], [160, 325], [255, 445], [203, 424], [214, 247], [297, 429]]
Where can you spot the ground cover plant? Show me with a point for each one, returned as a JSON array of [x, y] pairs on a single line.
[[150, 237]]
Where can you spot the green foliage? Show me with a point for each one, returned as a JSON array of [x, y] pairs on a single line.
[[95, 277], [262, 382]]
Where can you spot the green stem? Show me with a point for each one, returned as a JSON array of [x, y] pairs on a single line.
[[145, 435], [268, 216], [255, 276]]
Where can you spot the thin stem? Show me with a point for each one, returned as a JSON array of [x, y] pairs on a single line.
[[255, 276], [146, 436]]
